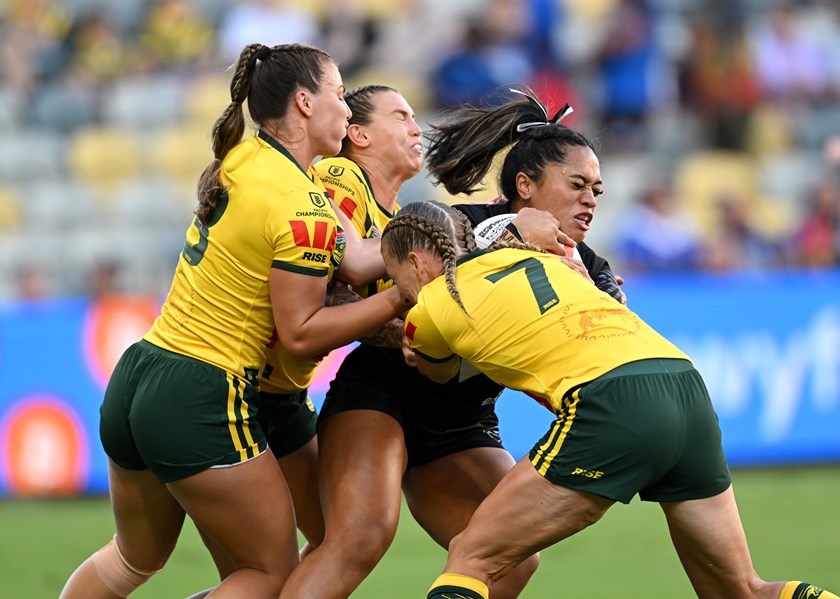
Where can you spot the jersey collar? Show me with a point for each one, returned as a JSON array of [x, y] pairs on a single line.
[[279, 147]]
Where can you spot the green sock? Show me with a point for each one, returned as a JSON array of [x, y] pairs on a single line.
[[458, 586]]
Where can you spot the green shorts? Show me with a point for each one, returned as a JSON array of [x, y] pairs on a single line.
[[647, 427], [176, 415], [288, 421]]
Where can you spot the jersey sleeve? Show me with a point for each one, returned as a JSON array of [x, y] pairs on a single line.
[[304, 240], [424, 337], [348, 192]]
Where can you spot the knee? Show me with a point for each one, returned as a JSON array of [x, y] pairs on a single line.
[[117, 573], [363, 545]]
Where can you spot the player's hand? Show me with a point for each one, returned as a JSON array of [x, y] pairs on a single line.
[[541, 228], [620, 280], [408, 353], [500, 199], [576, 264]]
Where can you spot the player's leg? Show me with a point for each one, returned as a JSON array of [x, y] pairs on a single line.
[[362, 461], [710, 541], [523, 514], [246, 510], [300, 468], [148, 522], [443, 495]]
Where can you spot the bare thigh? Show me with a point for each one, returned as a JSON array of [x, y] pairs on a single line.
[[493, 542], [710, 541], [246, 510], [443, 494], [148, 518], [300, 469]]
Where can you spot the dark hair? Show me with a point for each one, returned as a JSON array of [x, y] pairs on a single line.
[[360, 102], [462, 147], [268, 85]]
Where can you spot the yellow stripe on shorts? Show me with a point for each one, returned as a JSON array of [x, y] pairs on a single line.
[[234, 425], [549, 450]]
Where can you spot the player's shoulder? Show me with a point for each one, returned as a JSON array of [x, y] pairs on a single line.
[[336, 167]]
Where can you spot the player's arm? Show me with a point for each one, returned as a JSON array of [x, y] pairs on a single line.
[[307, 327], [391, 334], [362, 261]]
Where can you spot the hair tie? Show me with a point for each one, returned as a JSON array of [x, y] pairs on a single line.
[[264, 53], [555, 120]]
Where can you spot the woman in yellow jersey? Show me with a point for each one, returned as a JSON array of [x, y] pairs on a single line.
[[177, 420], [633, 415]]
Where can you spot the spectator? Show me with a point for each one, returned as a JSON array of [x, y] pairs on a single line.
[[816, 243], [789, 63], [658, 236], [720, 83], [634, 75], [269, 22], [737, 242], [492, 55], [175, 36]]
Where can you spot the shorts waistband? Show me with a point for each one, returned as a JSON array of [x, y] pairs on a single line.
[[649, 366]]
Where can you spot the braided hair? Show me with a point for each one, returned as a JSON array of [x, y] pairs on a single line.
[[440, 229], [267, 78]]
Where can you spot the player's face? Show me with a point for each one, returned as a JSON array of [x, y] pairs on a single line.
[[329, 113], [568, 191], [395, 135], [409, 275]]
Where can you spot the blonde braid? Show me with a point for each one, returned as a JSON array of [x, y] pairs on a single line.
[[441, 243]]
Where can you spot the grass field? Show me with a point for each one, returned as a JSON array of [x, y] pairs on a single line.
[[791, 517]]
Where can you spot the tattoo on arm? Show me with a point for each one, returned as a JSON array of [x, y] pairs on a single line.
[[389, 335]]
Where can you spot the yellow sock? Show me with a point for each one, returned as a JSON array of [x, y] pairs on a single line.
[[803, 590], [458, 586]]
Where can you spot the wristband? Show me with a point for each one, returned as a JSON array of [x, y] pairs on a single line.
[[514, 231]]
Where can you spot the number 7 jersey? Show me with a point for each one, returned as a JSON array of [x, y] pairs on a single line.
[[534, 324]]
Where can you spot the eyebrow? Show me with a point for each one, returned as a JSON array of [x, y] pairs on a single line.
[[585, 180]]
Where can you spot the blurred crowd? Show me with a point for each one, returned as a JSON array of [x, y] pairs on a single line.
[[717, 121]]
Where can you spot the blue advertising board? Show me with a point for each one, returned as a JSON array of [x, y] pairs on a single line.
[[767, 345]]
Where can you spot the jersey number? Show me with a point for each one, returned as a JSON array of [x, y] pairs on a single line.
[[540, 286], [193, 254]]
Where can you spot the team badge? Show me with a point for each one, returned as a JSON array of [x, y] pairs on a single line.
[[336, 171], [318, 199]]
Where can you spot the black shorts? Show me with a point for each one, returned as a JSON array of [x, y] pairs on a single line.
[[437, 420], [287, 420]]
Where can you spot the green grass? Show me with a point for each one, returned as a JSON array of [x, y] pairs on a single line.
[[790, 515]]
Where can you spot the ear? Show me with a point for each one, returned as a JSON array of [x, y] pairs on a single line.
[[303, 101], [358, 136], [524, 186]]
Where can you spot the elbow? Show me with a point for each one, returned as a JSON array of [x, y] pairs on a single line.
[[300, 348], [352, 277]]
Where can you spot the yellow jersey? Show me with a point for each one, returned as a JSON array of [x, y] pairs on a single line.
[[273, 215], [349, 187], [534, 325]]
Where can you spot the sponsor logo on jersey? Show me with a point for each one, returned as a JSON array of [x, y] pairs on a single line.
[[321, 235], [319, 200], [587, 473], [336, 171]]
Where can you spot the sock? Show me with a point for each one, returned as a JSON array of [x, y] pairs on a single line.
[[803, 590], [458, 586]]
